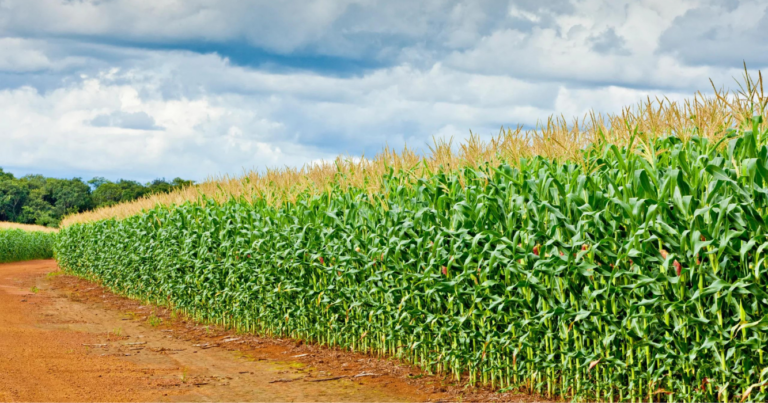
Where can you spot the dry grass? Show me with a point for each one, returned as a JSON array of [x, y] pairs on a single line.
[[556, 139], [25, 227]]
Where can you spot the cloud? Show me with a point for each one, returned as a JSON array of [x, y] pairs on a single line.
[[720, 33], [184, 114], [345, 27], [194, 138], [126, 120], [354, 29], [146, 89], [609, 42], [599, 44], [16, 55]]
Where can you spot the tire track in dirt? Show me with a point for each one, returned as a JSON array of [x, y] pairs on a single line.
[[66, 339]]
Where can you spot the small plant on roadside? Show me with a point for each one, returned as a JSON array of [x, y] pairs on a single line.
[[153, 320], [34, 289]]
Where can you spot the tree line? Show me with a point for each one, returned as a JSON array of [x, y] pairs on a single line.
[[35, 199]]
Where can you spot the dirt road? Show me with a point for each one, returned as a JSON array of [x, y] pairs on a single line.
[[66, 339]]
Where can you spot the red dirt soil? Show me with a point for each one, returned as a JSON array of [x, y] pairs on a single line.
[[66, 339]]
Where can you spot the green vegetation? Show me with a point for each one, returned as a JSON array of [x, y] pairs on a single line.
[[108, 193], [634, 273], [617, 258], [153, 320], [17, 245], [34, 199]]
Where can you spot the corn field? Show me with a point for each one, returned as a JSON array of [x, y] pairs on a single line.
[[628, 268], [17, 245], [633, 276]]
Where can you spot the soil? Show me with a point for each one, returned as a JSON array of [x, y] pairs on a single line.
[[66, 339]]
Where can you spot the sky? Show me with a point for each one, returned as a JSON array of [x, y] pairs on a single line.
[[144, 89]]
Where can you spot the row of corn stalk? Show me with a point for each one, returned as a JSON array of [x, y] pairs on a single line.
[[17, 245], [632, 276]]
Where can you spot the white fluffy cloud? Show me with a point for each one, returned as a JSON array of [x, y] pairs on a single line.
[[121, 88], [600, 43], [122, 121], [193, 138]]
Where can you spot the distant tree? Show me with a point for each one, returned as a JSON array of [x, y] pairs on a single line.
[[6, 175], [106, 194], [180, 183], [13, 195], [163, 186], [35, 199], [38, 208], [132, 190], [111, 193], [97, 181], [159, 186], [50, 199], [70, 196], [38, 211]]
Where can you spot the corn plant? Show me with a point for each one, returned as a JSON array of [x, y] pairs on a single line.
[[17, 245], [634, 275]]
